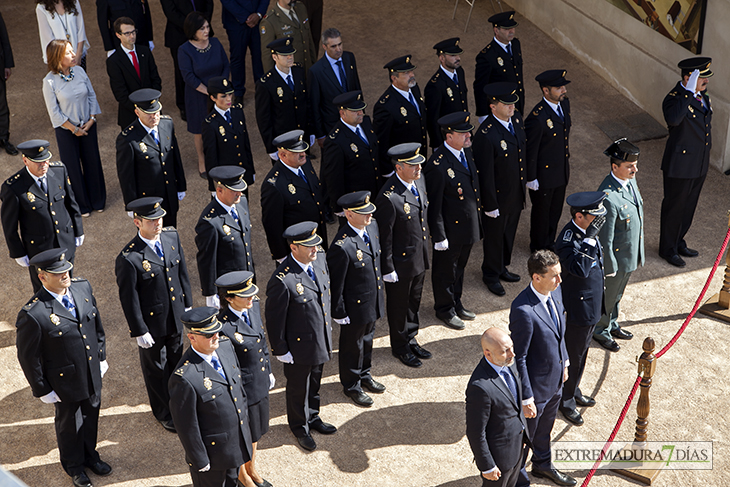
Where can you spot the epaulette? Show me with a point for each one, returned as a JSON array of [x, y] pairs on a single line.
[[334, 134], [385, 98], [168, 229], [209, 119], [78, 279], [435, 76], [267, 75], [168, 117], [486, 129], [238, 105], [56, 164], [280, 276], [339, 243], [222, 338], [30, 304], [271, 180], [128, 249], [387, 194], [674, 93], [181, 370], [13, 178]]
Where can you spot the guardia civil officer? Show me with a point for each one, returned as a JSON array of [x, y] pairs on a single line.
[[288, 18]]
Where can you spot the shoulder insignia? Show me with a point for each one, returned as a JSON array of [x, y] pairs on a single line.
[[339, 243], [674, 93], [271, 180], [387, 194], [332, 136], [180, 371], [168, 229], [436, 162], [568, 236], [168, 117], [223, 338], [536, 113], [208, 119], [30, 304], [384, 99], [280, 276], [56, 163]]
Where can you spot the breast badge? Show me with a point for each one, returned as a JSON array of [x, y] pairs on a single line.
[[300, 288], [55, 319], [403, 111], [451, 173], [292, 189], [549, 123], [690, 108], [500, 61], [353, 147], [146, 265], [449, 93], [143, 147], [407, 208], [503, 144], [358, 254], [31, 196], [226, 229], [279, 92], [222, 130], [207, 383], [239, 337], [461, 192]]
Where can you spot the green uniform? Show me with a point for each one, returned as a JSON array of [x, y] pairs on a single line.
[[277, 24]]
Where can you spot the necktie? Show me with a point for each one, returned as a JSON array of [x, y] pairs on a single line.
[[509, 49], [311, 275], [511, 129], [560, 112], [633, 194], [343, 78], [217, 366], [42, 184], [300, 173], [365, 238], [290, 82], [153, 132], [228, 117], [234, 214], [136, 64], [158, 250], [293, 16], [455, 78], [362, 136], [412, 99], [507, 376], [551, 308], [193, 2], [415, 192], [69, 305], [244, 315], [462, 158]]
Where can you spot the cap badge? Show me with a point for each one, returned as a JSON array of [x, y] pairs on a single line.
[[292, 189], [222, 130], [239, 337], [403, 111], [467, 119], [146, 265], [143, 147], [457, 42], [157, 205], [288, 41], [63, 257], [503, 144], [279, 92], [31, 196], [367, 199], [55, 319], [207, 383], [407, 208], [449, 92], [408, 59], [358, 254], [500, 61], [353, 147], [549, 123], [41, 149], [225, 82], [300, 288], [226, 229], [450, 172]]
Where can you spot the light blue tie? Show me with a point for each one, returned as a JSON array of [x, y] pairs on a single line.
[[217, 366], [153, 132]]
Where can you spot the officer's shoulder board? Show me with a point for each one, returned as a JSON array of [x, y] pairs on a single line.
[[333, 135], [222, 338], [180, 371], [489, 46], [55, 164], [435, 77], [165, 117], [30, 304], [209, 118], [238, 105], [12, 179], [78, 279], [129, 248], [485, 130], [436, 161], [169, 229], [266, 76], [385, 98], [281, 275]]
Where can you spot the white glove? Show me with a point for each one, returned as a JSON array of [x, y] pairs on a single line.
[[146, 340], [274, 156], [254, 178], [279, 261], [213, 301], [533, 185], [188, 309], [130, 214], [23, 261], [180, 195], [442, 245], [50, 398], [272, 381], [109, 53], [207, 467], [343, 321], [103, 367], [392, 277], [152, 45], [492, 214], [311, 140], [613, 274], [341, 214], [692, 82], [287, 359], [80, 240]]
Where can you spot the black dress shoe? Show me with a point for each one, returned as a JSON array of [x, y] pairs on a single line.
[[101, 468], [465, 314], [307, 442], [609, 344], [556, 476], [408, 359], [373, 386], [676, 261], [81, 480], [454, 322], [168, 425], [622, 334], [360, 398], [573, 416], [183, 116], [685, 252], [585, 401], [265, 483], [508, 276], [321, 427], [420, 352], [495, 288], [9, 148]]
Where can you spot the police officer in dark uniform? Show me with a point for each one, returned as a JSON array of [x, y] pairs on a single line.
[[207, 397], [548, 171], [358, 295], [350, 161], [499, 155], [446, 91], [454, 218], [501, 60], [290, 194], [581, 260], [154, 290], [148, 156], [39, 210], [399, 115], [300, 331], [225, 137], [62, 351], [240, 316], [402, 215]]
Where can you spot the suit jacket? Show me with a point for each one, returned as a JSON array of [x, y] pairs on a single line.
[[397, 121], [402, 224], [495, 423], [276, 25], [107, 11], [176, 11], [495, 64], [146, 169], [60, 352], [223, 245], [6, 52], [235, 12], [582, 266], [443, 97], [547, 145], [124, 80], [324, 87], [348, 163], [33, 221], [687, 153], [622, 236], [212, 411], [500, 160], [285, 200], [278, 108], [227, 144], [454, 198], [252, 352], [540, 351], [298, 316], [355, 275], [150, 288]]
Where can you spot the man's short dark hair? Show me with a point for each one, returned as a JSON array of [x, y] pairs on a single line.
[[540, 261], [330, 33], [122, 21]]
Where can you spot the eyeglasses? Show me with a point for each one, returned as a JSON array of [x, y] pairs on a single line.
[[131, 32]]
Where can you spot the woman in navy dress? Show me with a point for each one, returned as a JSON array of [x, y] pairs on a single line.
[[200, 59]]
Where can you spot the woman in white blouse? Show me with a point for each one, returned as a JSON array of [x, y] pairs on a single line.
[[72, 106], [62, 19]]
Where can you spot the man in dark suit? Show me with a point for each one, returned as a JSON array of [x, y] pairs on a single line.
[[207, 397], [241, 20], [399, 115], [223, 232], [358, 296], [537, 326], [39, 210], [581, 258], [291, 193], [300, 331], [130, 68], [6, 66], [495, 423], [454, 218], [148, 156], [445, 93], [401, 215], [501, 61], [154, 290], [107, 11], [62, 351], [547, 128], [499, 155], [688, 113]]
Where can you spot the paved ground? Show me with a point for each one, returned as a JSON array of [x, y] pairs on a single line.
[[414, 435]]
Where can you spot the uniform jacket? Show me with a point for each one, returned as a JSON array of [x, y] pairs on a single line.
[[150, 289], [500, 159], [298, 316], [223, 245], [176, 11], [622, 236], [493, 65], [6, 52], [124, 80], [57, 351], [276, 25], [687, 153], [442, 98], [278, 108], [236, 12], [324, 87], [227, 144], [212, 411], [107, 11], [454, 198], [348, 163], [356, 276], [540, 351], [34, 222], [547, 145], [402, 224]]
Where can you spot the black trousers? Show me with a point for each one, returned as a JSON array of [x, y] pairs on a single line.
[[577, 341], [547, 206], [77, 425], [302, 396], [83, 163], [158, 363], [678, 210], [356, 353], [179, 82], [4, 110], [447, 278], [403, 319], [539, 430], [214, 478], [240, 38], [507, 479], [499, 239]]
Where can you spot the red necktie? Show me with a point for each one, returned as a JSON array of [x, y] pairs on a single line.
[[136, 64]]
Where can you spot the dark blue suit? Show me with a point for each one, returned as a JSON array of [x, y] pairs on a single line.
[[240, 37], [324, 86]]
